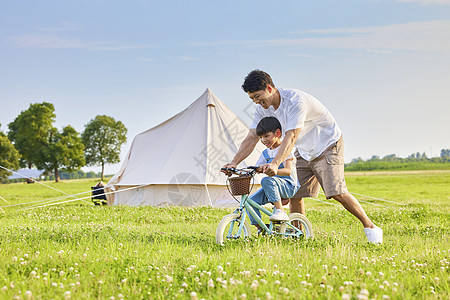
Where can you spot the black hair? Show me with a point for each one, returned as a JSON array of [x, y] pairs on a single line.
[[256, 80], [267, 124]]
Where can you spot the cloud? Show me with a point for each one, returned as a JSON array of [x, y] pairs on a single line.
[[418, 36], [45, 41], [427, 2], [188, 58]]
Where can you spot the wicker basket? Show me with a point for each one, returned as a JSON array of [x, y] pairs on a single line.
[[240, 185]]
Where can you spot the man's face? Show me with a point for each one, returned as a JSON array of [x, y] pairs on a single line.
[[262, 97]]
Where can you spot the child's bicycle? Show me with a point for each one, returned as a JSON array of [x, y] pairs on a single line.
[[236, 225]]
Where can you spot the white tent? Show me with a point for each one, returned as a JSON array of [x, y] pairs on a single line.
[[178, 162]]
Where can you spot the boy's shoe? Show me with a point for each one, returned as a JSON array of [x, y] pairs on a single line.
[[374, 235], [278, 216]]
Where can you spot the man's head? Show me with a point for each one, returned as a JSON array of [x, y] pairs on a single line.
[[256, 80], [269, 131], [260, 88]]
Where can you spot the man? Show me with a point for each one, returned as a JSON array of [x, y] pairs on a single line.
[[311, 129]]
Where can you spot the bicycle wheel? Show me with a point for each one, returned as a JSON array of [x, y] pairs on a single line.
[[297, 219], [228, 229]]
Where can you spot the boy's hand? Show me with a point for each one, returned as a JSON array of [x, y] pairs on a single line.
[[269, 169]]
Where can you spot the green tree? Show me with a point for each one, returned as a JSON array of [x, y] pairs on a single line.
[[9, 156], [29, 131], [63, 151], [103, 138]]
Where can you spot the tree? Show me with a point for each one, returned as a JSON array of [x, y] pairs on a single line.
[[29, 131], [9, 156], [445, 152], [103, 138], [63, 151]]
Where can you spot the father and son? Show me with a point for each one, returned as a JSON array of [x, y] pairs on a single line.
[[305, 149]]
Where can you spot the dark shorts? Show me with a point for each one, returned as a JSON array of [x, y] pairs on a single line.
[[327, 170]]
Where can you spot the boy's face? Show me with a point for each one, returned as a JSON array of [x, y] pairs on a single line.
[[269, 139], [263, 97]]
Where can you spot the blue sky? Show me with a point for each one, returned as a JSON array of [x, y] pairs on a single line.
[[382, 67]]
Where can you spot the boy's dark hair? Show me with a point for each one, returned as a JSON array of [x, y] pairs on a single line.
[[256, 80], [267, 124]]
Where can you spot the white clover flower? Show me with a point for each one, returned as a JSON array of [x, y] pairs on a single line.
[[263, 281], [268, 296], [341, 289], [285, 291], [364, 292], [254, 285], [14, 259], [381, 274], [334, 268], [346, 296], [184, 285], [194, 296], [28, 294], [218, 279], [169, 279], [277, 282], [243, 296], [386, 297], [307, 276], [368, 273], [211, 283], [219, 269], [303, 283], [228, 264], [33, 274]]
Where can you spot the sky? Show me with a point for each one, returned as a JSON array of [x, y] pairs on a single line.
[[382, 67]]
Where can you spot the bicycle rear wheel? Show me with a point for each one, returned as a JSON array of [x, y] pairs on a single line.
[[297, 219], [228, 229]]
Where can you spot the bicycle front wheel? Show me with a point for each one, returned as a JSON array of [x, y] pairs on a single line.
[[230, 228]]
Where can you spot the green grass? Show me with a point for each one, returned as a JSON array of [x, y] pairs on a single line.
[[81, 251]]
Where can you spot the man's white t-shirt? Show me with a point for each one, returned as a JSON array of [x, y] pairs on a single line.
[[271, 153], [298, 109]]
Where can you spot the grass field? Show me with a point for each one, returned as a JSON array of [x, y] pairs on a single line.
[[78, 251]]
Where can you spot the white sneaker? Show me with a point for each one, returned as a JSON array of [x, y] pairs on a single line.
[[278, 216], [374, 235]]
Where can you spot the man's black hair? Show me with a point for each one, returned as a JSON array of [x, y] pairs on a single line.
[[256, 80], [267, 124]]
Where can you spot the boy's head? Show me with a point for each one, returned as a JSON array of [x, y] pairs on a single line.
[[269, 131], [257, 80]]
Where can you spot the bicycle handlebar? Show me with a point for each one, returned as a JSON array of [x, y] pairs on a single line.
[[250, 170]]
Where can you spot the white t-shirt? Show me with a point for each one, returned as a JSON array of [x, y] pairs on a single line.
[[298, 109], [271, 153]]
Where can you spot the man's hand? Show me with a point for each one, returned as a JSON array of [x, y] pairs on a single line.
[[269, 169], [228, 166]]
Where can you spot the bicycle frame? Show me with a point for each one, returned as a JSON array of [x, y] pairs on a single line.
[[248, 205]]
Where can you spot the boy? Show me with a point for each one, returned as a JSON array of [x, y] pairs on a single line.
[[284, 184]]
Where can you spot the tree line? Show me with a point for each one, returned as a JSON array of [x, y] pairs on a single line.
[[33, 141], [415, 161]]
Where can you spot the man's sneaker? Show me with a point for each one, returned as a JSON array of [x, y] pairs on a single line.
[[278, 216], [374, 235]]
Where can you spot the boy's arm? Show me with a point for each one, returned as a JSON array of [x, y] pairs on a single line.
[[286, 147], [287, 170]]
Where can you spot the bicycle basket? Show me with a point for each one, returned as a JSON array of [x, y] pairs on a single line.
[[240, 185]]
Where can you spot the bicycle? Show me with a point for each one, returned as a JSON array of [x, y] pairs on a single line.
[[236, 225]]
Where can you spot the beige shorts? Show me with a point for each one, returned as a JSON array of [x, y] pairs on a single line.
[[326, 170]]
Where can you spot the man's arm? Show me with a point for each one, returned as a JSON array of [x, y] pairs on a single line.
[[286, 147], [245, 149]]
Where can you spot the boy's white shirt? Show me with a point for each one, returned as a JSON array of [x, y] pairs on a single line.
[[272, 153]]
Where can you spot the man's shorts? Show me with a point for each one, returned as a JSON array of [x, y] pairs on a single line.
[[326, 170]]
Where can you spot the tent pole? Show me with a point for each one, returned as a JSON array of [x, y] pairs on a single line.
[[207, 192]]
